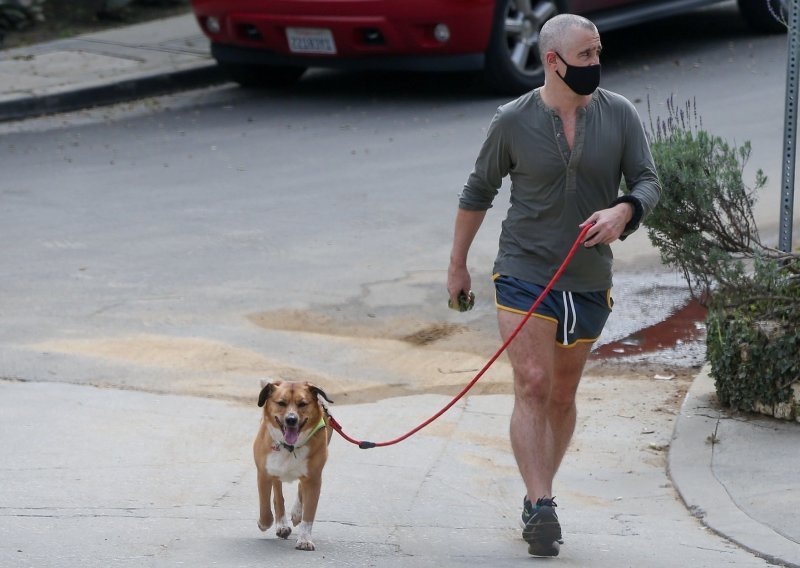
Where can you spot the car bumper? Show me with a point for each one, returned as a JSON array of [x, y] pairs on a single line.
[[235, 55], [399, 33]]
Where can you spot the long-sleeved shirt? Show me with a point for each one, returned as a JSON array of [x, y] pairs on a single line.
[[554, 189]]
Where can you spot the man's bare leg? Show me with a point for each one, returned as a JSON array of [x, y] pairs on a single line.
[[569, 364], [546, 379]]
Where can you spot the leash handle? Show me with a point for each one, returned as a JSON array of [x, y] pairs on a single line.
[[365, 445]]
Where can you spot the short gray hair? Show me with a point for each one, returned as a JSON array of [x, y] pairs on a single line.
[[554, 31]]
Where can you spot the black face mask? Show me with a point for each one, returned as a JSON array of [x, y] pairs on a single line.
[[582, 80]]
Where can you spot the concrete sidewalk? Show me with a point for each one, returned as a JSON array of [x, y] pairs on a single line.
[[98, 477], [106, 67], [744, 485], [113, 478]]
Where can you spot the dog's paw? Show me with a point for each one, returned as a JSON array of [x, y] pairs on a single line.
[[283, 532], [304, 541], [282, 528], [263, 525], [304, 544]]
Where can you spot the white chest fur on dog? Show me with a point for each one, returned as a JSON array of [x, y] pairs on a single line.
[[286, 465]]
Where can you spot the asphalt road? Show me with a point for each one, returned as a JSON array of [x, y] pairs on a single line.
[[221, 218]]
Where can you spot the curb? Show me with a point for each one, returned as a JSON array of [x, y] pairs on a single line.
[[112, 93], [690, 467]]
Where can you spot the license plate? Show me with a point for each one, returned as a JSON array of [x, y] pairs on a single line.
[[310, 40]]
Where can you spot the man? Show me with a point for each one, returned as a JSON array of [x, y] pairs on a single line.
[[565, 147]]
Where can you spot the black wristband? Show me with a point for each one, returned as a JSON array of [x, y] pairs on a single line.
[[638, 212]]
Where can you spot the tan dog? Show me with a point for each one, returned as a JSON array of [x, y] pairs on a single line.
[[292, 444]]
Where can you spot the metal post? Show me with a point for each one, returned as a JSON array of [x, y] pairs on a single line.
[[790, 128]]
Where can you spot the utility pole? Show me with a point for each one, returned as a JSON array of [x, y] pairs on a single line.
[[790, 128]]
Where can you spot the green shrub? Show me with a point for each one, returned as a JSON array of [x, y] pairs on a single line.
[[704, 226], [19, 14], [753, 361]]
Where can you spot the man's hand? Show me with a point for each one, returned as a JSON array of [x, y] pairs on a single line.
[[458, 279], [458, 282], [608, 224]]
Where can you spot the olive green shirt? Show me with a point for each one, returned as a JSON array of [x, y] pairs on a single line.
[[553, 189]]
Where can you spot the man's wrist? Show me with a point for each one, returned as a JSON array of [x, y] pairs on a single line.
[[458, 261], [631, 210], [636, 217]]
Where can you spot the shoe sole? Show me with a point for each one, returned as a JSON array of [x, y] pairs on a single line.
[[543, 533], [544, 550]]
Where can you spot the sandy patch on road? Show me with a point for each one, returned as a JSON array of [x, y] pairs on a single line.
[[190, 366], [446, 336], [211, 368], [356, 359], [167, 353]]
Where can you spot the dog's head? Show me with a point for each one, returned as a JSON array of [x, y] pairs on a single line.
[[292, 407]]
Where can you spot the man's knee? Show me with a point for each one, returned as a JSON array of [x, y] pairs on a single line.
[[532, 386], [562, 401]]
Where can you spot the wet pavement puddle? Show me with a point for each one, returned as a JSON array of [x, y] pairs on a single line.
[[685, 325]]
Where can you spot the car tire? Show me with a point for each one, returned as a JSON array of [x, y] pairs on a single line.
[[262, 76], [513, 64], [767, 16]]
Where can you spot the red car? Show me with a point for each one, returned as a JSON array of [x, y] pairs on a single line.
[[273, 42]]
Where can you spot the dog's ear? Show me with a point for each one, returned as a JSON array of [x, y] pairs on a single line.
[[266, 392], [316, 391]]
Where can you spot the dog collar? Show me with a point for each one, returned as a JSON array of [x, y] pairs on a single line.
[[276, 447]]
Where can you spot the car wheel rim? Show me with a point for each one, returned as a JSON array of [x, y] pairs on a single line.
[[523, 20]]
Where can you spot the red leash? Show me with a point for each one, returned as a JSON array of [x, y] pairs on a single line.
[[364, 445]]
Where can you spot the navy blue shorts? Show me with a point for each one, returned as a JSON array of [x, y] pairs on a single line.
[[579, 316]]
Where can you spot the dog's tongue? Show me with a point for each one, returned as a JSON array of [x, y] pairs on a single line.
[[290, 436]]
